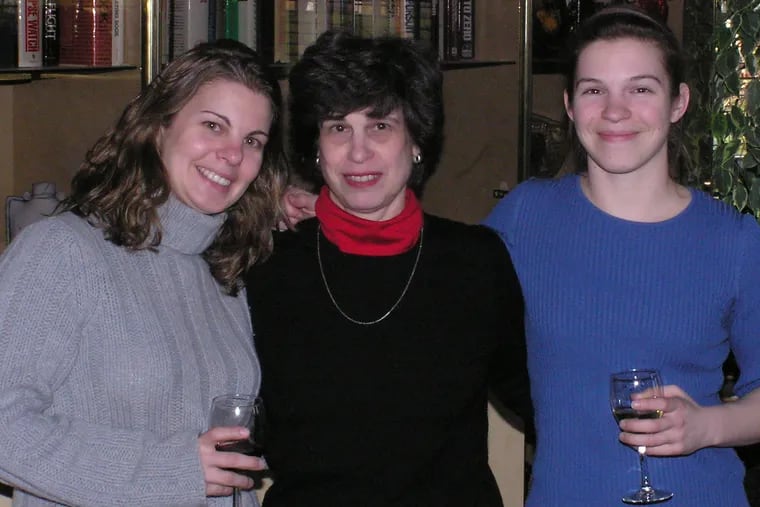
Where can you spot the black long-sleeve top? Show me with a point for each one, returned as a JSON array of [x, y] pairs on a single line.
[[394, 413]]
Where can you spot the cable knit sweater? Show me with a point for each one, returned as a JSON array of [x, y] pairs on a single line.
[[603, 294], [109, 362]]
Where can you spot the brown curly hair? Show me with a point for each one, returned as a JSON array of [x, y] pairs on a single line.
[[122, 180]]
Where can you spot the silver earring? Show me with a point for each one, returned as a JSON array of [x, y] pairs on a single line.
[[417, 158], [317, 159]]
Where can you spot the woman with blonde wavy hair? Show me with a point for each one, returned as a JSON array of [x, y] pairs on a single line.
[[123, 314]]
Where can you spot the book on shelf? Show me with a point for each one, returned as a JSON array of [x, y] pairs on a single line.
[[466, 38], [247, 15], [190, 25], [451, 30], [298, 23], [424, 28], [384, 18], [117, 33], [86, 32], [436, 26], [30, 33], [410, 15], [363, 18], [265, 37], [229, 21], [340, 14], [214, 7], [8, 33], [312, 20], [51, 34], [286, 31]]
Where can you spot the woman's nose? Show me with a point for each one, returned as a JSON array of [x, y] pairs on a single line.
[[231, 153], [360, 149], [616, 109]]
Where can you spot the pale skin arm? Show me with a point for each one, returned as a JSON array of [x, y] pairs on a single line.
[[686, 427], [218, 467], [298, 205]]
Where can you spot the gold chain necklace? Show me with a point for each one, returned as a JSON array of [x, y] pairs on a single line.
[[398, 301]]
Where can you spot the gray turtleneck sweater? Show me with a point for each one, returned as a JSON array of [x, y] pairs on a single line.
[[108, 362]]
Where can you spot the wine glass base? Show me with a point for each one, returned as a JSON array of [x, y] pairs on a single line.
[[647, 496]]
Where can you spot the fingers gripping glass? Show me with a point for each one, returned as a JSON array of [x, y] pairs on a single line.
[[622, 386], [237, 410]]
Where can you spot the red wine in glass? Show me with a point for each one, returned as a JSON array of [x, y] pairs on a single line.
[[243, 447], [237, 410]]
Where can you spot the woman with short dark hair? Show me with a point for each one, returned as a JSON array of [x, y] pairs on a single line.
[[380, 328]]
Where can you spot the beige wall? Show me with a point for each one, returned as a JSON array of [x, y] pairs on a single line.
[[480, 149], [47, 126]]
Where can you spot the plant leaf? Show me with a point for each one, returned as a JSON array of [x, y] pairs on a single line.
[[733, 83], [753, 200], [747, 162], [738, 119], [723, 180], [719, 126], [753, 97], [740, 196]]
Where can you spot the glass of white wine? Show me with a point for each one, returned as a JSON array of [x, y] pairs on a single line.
[[623, 385]]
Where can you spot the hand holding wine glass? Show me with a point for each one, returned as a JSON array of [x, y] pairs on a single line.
[[236, 410], [624, 387]]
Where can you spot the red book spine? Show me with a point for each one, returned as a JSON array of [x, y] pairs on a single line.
[[86, 32]]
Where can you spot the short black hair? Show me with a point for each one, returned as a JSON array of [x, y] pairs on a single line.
[[342, 73]]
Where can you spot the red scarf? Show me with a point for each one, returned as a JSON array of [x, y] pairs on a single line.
[[358, 236]]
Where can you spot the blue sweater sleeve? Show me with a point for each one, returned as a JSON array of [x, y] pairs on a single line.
[[506, 215], [745, 318]]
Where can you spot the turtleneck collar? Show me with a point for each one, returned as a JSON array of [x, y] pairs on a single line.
[[187, 230], [358, 236]]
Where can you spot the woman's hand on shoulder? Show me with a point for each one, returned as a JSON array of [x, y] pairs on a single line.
[[219, 467], [298, 205], [683, 428]]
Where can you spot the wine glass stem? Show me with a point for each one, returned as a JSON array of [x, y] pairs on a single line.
[[644, 468], [236, 499]]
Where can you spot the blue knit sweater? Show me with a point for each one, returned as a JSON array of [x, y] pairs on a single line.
[[604, 294]]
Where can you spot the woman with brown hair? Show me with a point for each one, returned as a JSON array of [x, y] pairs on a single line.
[[123, 315]]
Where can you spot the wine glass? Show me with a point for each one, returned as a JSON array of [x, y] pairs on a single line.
[[622, 385], [237, 410]]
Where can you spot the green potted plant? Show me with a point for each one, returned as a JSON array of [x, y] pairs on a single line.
[[722, 133]]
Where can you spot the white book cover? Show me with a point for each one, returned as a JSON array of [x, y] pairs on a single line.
[[29, 33], [247, 29], [190, 24], [117, 35]]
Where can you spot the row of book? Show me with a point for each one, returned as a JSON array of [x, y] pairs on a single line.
[[282, 29], [447, 25], [46, 33], [37, 33]]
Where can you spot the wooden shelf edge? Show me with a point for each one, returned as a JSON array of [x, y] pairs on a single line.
[[280, 70], [18, 75]]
